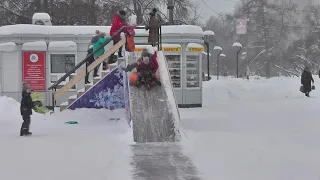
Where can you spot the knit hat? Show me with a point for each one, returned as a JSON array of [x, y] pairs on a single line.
[[25, 87], [145, 53]]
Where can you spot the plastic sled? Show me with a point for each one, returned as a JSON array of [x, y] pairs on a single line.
[[134, 77], [37, 99]]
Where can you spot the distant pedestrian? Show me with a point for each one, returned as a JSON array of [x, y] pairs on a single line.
[[26, 107], [306, 79]]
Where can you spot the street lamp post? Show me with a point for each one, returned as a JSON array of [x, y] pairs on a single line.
[[208, 37], [170, 7], [239, 47], [219, 51]]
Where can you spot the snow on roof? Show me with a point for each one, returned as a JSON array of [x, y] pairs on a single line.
[[217, 48], [8, 47], [62, 46], [30, 29], [206, 53], [208, 33], [43, 16], [36, 45], [194, 45], [236, 44], [171, 45]]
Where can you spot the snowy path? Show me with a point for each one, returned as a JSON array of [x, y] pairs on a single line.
[[159, 161], [256, 130]]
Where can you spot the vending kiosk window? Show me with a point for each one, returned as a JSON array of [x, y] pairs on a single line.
[[192, 71]]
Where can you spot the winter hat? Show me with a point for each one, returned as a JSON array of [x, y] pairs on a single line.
[[122, 14], [306, 68], [25, 87], [145, 53], [153, 12]]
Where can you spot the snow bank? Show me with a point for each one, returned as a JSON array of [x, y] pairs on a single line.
[[36, 45], [8, 47]]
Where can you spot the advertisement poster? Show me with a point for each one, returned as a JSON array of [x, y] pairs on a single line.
[[34, 69]]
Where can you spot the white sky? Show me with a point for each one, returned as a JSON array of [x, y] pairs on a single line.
[[220, 6]]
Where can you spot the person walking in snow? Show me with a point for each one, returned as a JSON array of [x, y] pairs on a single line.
[[119, 20], [306, 79], [153, 26], [102, 39], [26, 107], [89, 61]]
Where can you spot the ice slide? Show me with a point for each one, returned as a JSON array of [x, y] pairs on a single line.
[[154, 113]]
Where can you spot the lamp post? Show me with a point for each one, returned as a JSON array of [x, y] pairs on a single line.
[[208, 37], [238, 46], [218, 66], [218, 49], [170, 7]]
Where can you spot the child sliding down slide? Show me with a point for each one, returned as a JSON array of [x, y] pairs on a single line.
[[147, 67]]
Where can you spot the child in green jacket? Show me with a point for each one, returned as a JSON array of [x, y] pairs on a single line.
[[103, 38]]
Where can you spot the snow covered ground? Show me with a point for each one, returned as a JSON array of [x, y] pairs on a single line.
[[247, 130]]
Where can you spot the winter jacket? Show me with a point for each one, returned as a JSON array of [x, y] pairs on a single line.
[[26, 105], [306, 79], [117, 23], [152, 66], [91, 58], [99, 43], [155, 23]]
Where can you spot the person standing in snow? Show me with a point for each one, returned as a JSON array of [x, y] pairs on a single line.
[[119, 20], [153, 26], [306, 79], [96, 37], [89, 61], [26, 107], [102, 39]]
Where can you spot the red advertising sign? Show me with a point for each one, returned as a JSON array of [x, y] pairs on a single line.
[[34, 69]]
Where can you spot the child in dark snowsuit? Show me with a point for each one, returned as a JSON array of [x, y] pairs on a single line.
[[26, 107]]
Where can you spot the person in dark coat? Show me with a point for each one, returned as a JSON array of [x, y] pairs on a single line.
[[89, 61], [306, 79], [119, 20], [153, 26], [26, 107]]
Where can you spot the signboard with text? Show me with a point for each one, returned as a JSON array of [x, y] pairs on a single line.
[[241, 26], [34, 69]]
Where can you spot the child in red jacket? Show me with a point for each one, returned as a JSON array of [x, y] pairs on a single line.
[[147, 67]]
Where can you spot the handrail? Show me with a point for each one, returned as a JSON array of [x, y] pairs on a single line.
[[53, 86]]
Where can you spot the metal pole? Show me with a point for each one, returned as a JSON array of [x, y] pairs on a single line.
[[208, 60], [218, 56], [170, 7], [238, 62]]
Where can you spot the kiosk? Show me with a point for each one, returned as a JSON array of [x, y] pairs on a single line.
[[192, 85], [173, 55]]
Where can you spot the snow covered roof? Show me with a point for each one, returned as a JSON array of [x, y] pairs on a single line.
[[62, 46], [8, 47], [194, 47], [208, 33], [30, 29], [35, 46], [43, 16]]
